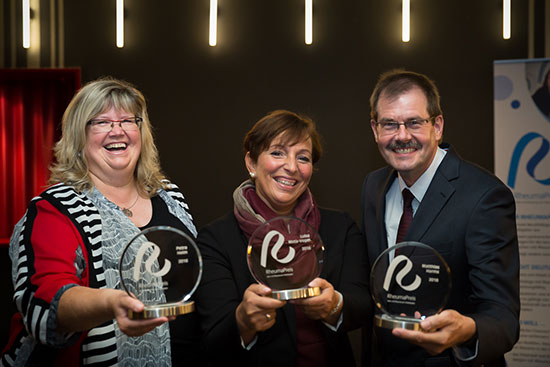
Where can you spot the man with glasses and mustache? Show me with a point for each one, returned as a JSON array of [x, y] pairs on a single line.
[[460, 210]]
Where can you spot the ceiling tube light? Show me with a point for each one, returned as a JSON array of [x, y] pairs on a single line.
[[506, 19], [120, 23], [26, 23], [406, 21], [213, 29], [309, 22]]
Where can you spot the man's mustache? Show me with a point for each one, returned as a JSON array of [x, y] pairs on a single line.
[[400, 145]]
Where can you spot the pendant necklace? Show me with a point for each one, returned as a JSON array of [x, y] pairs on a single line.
[[127, 211]]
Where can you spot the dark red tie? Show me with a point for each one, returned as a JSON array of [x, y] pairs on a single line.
[[407, 216]]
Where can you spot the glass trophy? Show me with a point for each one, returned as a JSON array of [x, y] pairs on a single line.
[[409, 282], [285, 254], [162, 267]]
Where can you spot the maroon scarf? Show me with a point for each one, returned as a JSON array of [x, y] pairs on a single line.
[[251, 211]]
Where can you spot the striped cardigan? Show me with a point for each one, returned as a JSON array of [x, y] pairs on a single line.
[[34, 337]]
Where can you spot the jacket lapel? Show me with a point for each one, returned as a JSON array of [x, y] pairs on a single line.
[[381, 212], [437, 196]]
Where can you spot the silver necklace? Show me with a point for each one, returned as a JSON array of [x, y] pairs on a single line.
[[127, 210]]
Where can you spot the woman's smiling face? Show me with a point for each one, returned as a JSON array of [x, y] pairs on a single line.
[[282, 173], [115, 152]]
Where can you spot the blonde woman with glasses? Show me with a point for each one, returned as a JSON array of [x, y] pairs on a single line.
[[107, 186]]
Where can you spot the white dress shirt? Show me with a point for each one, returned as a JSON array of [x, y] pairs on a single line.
[[394, 197]]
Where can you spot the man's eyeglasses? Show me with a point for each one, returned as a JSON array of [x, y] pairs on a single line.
[[413, 125], [104, 126]]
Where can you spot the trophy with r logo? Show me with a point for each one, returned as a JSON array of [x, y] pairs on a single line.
[[409, 282], [162, 267], [285, 254]]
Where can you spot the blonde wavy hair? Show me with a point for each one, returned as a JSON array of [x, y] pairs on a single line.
[[96, 97]]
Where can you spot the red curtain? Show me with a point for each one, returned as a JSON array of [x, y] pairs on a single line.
[[32, 102]]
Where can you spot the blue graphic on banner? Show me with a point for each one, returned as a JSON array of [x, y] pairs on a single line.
[[533, 161]]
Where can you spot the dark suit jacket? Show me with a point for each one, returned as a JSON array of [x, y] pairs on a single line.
[[468, 216], [226, 277]]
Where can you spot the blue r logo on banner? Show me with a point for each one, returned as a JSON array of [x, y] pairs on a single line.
[[533, 161]]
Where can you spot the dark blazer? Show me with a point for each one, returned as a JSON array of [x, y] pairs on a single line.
[[468, 215], [226, 277]]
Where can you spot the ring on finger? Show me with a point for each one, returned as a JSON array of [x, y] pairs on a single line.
[[268, 317]]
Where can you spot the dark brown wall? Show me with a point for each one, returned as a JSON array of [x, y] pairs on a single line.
[[202, 99]]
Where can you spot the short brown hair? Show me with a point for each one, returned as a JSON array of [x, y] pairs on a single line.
[[293, 126], [393, 83]]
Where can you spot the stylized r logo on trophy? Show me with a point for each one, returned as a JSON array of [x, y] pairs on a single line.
[[401, 274], [162, 267], [285, 254], [150, 261], [409, 286]]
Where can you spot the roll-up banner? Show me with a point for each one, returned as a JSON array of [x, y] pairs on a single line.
[[522, 161]]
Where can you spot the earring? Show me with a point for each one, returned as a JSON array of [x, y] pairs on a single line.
[[252, 174]]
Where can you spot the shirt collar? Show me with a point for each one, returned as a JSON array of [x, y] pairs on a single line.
[[419, 188]]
